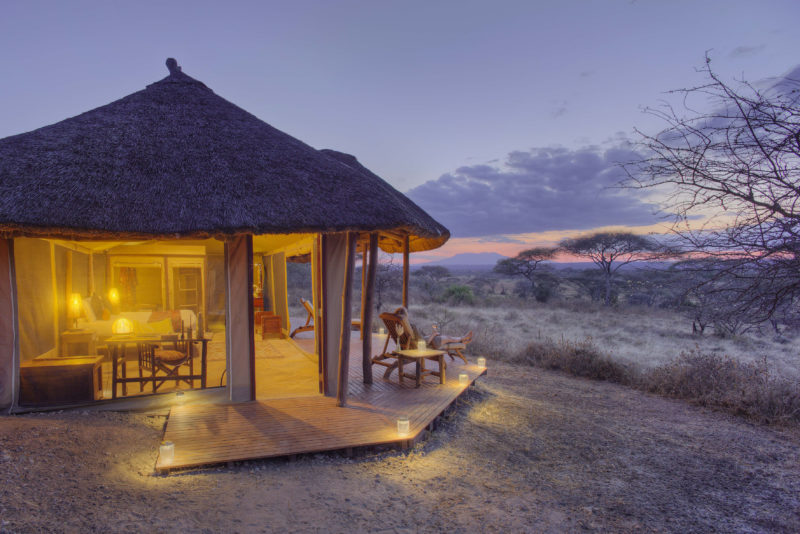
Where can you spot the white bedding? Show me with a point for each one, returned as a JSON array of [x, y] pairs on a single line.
[[103, 328]]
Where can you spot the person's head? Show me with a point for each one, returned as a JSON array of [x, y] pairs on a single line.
[[401, 312]]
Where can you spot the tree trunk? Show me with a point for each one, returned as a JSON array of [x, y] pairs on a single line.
[[608, 289]]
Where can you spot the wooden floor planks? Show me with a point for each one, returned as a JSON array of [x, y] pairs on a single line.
[[217, 433]]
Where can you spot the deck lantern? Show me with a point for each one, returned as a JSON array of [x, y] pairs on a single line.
[[166, 452], [402, 425], [422, 345], [75, 307], [381, 331], [463, 378], [180, 398], [481, 362], [122, 327]]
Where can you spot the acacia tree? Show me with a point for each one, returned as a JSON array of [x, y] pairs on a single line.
[[610, 251], [526, 263], [431, 277], [739, 167]]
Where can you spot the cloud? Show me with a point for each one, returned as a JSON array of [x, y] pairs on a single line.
[[743, 51], [539, 190]]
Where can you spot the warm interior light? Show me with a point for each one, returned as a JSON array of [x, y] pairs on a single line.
[[481, 362], [113, 296], [402, 425], [463, 378], [122, 326], [75, 307], [382, 331], [166, 452], [421, 345]]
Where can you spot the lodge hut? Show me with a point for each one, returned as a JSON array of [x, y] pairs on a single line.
[[167, 210]]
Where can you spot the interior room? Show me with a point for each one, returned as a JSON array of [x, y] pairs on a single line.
[[102, 320]]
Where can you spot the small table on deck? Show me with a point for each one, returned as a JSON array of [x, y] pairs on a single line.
[[117, 344], [419, 357]]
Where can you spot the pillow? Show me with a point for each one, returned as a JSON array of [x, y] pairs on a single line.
[[157, 327], [161, 327], [86, 304]]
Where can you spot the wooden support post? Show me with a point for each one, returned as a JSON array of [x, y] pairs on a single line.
[[344, 339], [366, 321], [405, 271], [90, 285], [363, 288], [239, 335]]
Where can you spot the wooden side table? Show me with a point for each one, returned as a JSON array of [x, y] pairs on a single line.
[[419, 357], [78, 343]]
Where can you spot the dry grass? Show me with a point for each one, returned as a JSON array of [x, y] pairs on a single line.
[[745, 388], [642, 337], [752, 375]]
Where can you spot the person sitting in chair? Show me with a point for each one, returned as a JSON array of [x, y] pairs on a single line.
[[435, 340]]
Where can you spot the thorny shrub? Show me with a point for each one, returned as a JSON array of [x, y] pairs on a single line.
[[580, 358], [744, 388]]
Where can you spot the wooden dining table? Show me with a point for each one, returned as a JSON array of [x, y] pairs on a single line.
[[116, 348]]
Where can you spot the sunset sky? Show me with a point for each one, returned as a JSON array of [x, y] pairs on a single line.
[[503, 119]]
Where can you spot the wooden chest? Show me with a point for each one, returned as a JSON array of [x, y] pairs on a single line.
[[64, 380]]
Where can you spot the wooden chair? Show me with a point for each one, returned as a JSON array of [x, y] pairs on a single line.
[[402, 333], [309, 326], [166, 359], [397, 333], [454, 349]]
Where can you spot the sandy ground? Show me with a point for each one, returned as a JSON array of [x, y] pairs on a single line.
[[526, 451]]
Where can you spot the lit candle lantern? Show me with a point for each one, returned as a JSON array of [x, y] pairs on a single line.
[[421, 345], [463, 378], [180, 398], [402, 425], [166, 452], [482, 362], [382, 331]]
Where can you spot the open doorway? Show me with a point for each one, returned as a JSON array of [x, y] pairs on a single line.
[[285, 367]]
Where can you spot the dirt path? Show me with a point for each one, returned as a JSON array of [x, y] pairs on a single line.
[[528, 451]]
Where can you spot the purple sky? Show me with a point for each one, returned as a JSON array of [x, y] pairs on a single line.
[[461, 100]]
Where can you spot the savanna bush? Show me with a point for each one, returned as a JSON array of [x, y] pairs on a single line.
[[744, 388], [580, 358], [459, 294]]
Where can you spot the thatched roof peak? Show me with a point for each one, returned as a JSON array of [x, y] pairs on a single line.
[[176, 75], [176, 160]]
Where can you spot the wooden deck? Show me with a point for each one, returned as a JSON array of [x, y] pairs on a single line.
[[216, 433]]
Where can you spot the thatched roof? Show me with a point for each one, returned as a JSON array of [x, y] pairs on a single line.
[[176, 160]]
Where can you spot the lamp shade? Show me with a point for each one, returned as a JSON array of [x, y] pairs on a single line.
[[122, 326], [113, 295], [75, 304]]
